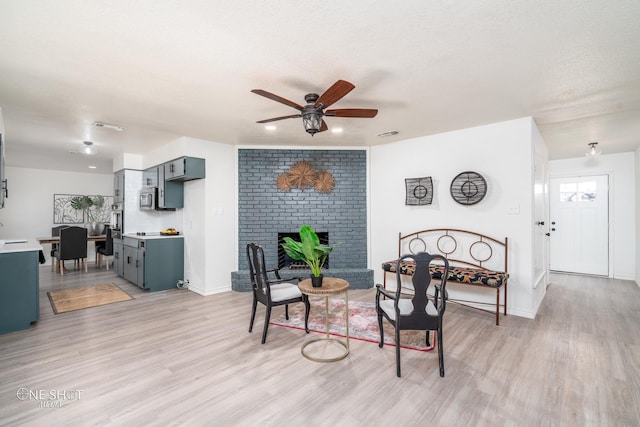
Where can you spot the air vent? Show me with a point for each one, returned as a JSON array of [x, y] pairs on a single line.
[[109, 126], [389, 133]]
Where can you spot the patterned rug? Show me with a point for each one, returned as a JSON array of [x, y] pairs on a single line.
[[363, 323], [66, 300]]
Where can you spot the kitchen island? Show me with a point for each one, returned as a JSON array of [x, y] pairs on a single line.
[[19, 284]]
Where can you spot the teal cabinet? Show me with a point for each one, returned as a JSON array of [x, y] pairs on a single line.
[[118, 187], [170, 193], [118, 257], [155, 264], [19, 289], [184, 169], [150, 177]]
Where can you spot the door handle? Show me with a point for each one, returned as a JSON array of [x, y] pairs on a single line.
[[540, 222], [547, 234], [553, 229]]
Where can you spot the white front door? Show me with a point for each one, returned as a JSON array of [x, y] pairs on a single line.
[[579, 229]]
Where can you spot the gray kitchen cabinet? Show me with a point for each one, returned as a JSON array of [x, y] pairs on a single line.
[[118, 256], [170, 193], [150, 177], [133, 263], [184, 169], [118, 187], [154, 263]]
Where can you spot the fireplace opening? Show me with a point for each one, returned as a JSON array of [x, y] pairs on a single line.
[[285, 261]]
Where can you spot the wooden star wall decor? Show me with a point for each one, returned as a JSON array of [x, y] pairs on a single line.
[[303, 175]]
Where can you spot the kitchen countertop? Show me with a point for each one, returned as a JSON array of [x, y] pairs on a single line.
[[25, 245], [149, 236]]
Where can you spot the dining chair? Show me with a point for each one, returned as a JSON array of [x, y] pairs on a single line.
[[73, 246], [100, 245], [272, 291], [106, 250], [419, 312], [55, 232]]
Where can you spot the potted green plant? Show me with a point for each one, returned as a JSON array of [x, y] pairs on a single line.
[[310, 250], [90, 206]]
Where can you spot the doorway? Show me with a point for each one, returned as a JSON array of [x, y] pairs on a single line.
[[579, 228]]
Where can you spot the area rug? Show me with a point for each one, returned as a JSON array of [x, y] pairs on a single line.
[[363, 323], [66, 300]]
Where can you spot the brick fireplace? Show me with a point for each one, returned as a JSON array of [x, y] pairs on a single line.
[[264, 211]]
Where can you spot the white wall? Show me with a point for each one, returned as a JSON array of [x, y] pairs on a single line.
[[28, 212], [637, 185], [502, 153], [621, 170], [208, 219]]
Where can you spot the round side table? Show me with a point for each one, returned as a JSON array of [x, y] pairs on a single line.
[[330, 286]]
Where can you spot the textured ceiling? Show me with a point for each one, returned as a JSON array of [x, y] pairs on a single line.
[[165, 69]]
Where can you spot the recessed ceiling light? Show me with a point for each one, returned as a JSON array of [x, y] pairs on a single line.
[[92, 167], [110, 126], [336, 130], [271, 127], [389, 133]]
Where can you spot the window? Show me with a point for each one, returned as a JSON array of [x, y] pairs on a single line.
[[578, 191]]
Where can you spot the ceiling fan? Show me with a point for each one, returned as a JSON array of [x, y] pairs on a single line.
[[312, 114]]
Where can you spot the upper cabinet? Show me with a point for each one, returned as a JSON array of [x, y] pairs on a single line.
[[118, 187], [170, 193], [150, 177], [184, 169]]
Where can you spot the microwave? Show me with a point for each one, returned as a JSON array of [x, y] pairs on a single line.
[[147, 198]]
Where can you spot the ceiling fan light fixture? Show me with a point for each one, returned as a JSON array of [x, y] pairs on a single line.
[[312, 121], [313, 113], [593, 150]]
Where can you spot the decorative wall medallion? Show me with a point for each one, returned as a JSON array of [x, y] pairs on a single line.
[[324, 182], [303, 175], [468, 188], [284, 182], [419, 191]]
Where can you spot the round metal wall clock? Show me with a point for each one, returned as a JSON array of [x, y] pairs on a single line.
[[468, 188]]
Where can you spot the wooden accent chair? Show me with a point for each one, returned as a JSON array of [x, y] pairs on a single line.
[[418, 313], [272, 292], [73, 246]]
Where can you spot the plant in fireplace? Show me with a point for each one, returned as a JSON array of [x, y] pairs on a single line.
[[310, 250]]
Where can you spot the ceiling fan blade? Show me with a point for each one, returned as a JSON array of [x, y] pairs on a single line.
[[277, 98], [334, 93], [352, 112], [293, 116], [323, 127]]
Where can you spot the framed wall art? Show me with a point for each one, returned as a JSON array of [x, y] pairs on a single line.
[[468, 188], [419, 191], [64, 213]]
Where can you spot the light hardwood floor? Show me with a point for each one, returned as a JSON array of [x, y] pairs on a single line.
[[178, 358]]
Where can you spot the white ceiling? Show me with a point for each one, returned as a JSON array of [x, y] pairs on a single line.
[[170, 68]]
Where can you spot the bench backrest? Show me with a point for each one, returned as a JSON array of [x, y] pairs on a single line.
[[460, 247]]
